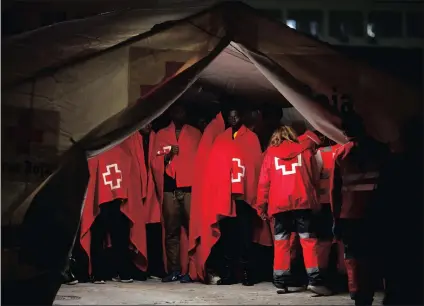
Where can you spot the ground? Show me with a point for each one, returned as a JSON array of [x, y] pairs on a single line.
[[154, 292]]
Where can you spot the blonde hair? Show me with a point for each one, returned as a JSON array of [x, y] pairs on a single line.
[[283, 133]]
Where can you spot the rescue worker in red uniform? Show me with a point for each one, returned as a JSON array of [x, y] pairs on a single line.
[[352, 184], [324, 218], [287, 191]]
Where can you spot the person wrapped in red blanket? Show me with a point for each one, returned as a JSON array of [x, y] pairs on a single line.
[[113, 207], [214, 128], [176, 147], [152, 207], [287, 191], [226, 212]]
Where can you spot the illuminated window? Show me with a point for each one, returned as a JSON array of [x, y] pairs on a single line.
[[370, 30], [346, 24], [415, 24], [386, 24], [307, 21], [291, 23]]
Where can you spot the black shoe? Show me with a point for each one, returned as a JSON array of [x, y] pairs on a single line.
[[228, 277], [172, 277], [247, 275], [122, 280], [185, 279], [69, 278]]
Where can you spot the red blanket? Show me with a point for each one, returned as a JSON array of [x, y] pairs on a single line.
[[151, 201], [214, 128], [118, 174], [180, 167], [217, 201]]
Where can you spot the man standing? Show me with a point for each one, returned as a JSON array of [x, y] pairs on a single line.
[[325, 160], [176, 147], [352, 182], [214, 128], [227, 214], [151, 206]]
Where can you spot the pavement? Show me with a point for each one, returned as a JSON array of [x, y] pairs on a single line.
[[153, 292]]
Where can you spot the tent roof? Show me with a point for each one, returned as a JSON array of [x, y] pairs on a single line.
[[32, 53]]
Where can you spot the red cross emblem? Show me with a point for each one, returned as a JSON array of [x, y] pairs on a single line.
[[112, 176], [293, 166], [170, 69], [238, 171]]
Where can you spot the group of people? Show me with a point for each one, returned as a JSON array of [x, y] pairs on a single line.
[[216, 194]]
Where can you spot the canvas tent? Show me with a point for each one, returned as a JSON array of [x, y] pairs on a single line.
[[81, 81]]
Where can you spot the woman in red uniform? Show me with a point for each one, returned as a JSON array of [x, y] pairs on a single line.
[[287, 191]]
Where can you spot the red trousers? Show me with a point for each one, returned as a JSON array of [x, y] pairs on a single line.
[[285, 225]]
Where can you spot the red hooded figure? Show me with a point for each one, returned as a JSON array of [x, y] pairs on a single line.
[[113, 207], [227, 215], [173, 172], [324, 218], [287, 191], [214, 128]]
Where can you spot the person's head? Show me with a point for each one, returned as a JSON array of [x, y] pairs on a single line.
[[283, 133], [145, 130], [252, 118], [178, 114], [233, 116]]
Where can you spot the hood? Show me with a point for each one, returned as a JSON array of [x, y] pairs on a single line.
[[289, 150]]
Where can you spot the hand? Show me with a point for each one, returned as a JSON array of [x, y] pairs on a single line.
[[175, 150], [264, 216]]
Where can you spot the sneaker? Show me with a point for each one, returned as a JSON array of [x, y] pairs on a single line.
[[185, 279], [172, 277], [320, 290], [99, 281], [69, 278], [122, 280], [213, 279]]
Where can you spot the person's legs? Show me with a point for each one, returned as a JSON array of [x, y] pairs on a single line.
[[245, 230], [155, 250], [97, 252], [185, 202], [228, 246], [283, 227], [172, 222], [357, 261], [307, 233], [120, 238], [324, 223]]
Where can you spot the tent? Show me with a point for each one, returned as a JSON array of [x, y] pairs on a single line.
[[73, 90]]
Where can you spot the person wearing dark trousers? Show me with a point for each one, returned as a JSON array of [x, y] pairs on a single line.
[[113, 222], [155, 250], [236, 244]]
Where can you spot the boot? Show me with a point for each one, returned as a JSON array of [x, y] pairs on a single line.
[[247, 279], [228, 276]]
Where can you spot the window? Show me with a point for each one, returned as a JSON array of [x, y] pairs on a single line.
[[307, 21], [274, 14], [415, 24], [346, 24], [386, 24]]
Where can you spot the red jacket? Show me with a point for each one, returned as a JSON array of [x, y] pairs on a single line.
[[351, 185], [289, 178], [325, 157]]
